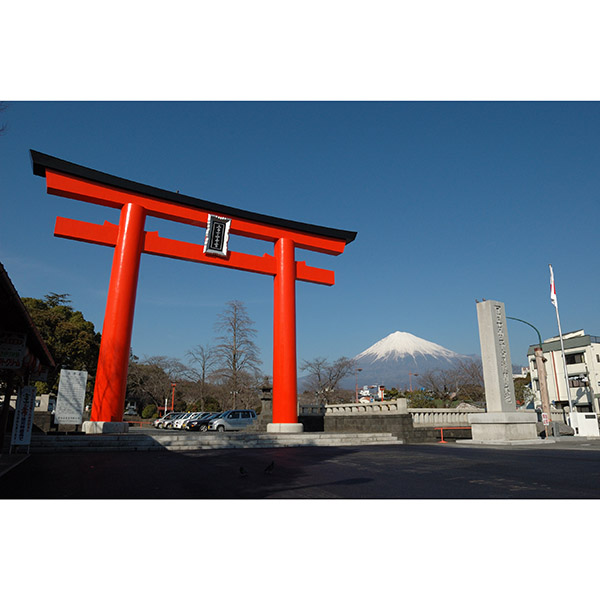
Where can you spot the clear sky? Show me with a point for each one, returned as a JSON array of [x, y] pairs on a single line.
[[452, 201]]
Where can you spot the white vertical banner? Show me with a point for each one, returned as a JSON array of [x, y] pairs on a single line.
[[71, 395], [23, 422]]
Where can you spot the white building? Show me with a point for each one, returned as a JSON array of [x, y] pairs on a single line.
[[582, 355]]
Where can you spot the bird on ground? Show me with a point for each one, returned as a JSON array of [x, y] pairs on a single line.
[[269, 468], [243, 472]]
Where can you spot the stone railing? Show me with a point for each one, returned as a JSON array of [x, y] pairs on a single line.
[[373, 408], [311, 410], [421, 417], [391, 406], [438, 417]]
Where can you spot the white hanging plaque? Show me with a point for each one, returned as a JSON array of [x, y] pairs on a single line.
[[217, 235]]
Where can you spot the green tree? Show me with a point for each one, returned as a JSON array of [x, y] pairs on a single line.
[[72, 341], [149, 412], [523, 393], [420, 399]]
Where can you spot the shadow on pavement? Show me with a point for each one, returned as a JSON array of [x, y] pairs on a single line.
[[368, 472]]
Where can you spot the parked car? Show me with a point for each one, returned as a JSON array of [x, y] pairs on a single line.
[[201, 424], [161, 422], [232, 420], [180, 421]]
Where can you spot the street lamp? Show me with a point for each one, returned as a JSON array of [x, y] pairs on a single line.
[[356, 372], [410, 378]]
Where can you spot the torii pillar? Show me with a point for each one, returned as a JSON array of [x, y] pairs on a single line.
[[135, 202], [285, 385]]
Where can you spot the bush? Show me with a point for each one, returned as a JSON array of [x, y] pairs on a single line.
[[149, 412], [419, 399]]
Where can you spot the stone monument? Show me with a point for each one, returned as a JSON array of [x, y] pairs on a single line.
[[501, 423]]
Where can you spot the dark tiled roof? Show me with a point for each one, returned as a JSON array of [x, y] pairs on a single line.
[[15, 317]]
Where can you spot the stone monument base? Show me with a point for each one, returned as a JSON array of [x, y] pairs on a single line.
[[503, 428], [285, 428], [105, 427]]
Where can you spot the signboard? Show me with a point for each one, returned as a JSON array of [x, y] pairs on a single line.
[[217, 235], [71, 394], [12, 349], [545, 419], [23, 423]]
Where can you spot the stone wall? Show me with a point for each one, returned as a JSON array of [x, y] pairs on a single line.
[[398, 424], [388, 417]]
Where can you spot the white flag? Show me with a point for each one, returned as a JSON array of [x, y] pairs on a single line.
[[552, 288]]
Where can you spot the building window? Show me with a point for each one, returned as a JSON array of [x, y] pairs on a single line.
[[574, 359]]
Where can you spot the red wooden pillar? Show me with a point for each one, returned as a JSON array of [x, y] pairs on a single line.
[[284, 335], [113, 362]]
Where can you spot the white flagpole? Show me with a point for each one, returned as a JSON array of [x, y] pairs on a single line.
[[554, 301]]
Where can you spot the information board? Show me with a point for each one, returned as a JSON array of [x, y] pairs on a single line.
[[23, 423], [71, 395], [12, 349]]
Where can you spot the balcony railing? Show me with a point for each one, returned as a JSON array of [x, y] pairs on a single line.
[[577, 369]]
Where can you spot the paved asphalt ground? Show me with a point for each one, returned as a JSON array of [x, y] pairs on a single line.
[[569, 468]]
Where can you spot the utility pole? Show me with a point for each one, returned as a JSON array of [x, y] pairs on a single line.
[[410, 376], [356, 371], [541, 369]]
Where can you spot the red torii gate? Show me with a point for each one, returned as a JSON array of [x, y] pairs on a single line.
[[137, 201]]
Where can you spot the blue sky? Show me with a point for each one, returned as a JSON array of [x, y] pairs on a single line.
[[452, 201]]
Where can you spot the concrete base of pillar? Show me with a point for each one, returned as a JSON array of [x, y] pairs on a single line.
[[504, 428], [105, 427], [285, 428]]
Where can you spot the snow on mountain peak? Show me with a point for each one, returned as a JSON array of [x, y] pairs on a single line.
[[400, 344]]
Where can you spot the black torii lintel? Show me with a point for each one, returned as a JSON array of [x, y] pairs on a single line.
[[41, 162]]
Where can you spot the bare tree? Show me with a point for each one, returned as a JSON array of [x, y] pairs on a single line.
[[462, 382], [442, 383], [149, 381], [325, 376], [203, 359], [470, 379], [236, 353]]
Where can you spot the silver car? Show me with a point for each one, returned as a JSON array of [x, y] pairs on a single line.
[[232, 420], [161, 421]]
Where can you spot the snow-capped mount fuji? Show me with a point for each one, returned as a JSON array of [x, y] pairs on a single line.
[[401, 344], [391, 360]]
